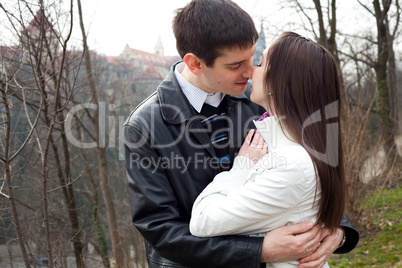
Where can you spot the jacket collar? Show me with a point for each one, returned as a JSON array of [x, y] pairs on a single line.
[[174, 105], [272, 132]]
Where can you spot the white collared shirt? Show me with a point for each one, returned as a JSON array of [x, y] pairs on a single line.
[[196, 96]]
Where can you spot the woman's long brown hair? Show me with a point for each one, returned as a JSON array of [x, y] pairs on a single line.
[[302, 78]]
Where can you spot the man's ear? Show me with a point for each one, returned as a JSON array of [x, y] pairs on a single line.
[[194, 63]]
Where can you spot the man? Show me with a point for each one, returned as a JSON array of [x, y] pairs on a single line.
[[189, 130]]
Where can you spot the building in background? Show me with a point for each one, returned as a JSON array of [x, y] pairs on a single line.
[[133, 71], [147, 69], [136, 72]]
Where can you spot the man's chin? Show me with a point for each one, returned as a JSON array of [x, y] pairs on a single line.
[[241, 91], [236, 91]]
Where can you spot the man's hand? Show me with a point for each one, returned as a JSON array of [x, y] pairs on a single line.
[[329, 243], [290, 243], [254, 147]]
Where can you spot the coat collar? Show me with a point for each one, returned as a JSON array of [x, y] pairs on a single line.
[[272, 132], [174, 105]]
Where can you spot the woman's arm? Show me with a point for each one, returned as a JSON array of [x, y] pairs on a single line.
[[266, 202]]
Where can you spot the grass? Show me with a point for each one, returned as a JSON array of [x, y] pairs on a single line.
[[380, 242]]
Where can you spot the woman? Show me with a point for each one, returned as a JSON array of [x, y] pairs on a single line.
[[301, 177]]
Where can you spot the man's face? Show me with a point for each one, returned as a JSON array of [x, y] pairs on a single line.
[[230, 72]]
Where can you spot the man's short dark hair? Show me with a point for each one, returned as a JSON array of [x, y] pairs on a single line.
[[204, 27]]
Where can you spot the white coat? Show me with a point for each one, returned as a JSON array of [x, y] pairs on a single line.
[[281, 189]]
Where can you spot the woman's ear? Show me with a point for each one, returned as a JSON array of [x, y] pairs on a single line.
[[193, 63]]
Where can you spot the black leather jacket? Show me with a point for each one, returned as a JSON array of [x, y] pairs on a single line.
[[169, 161]]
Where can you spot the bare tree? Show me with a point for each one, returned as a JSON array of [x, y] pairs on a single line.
[[103, 169], [384, 64], [325, 19], [38, 51], [9, 86], [44, 80]]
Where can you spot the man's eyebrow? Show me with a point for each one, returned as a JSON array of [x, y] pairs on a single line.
[[234, 63]]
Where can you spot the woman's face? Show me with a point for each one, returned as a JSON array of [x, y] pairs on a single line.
[[258, 93]]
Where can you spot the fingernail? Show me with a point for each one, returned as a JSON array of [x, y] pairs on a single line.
[[309, 224]]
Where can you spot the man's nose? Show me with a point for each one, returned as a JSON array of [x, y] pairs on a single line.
[[249, 71]]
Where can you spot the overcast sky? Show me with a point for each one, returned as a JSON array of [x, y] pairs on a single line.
[[111, 24], [138, 23]]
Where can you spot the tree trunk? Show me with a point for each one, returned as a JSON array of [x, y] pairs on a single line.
[[66, 184], [99, 231], [7, 167], [68, 193], [103, 172], [392, 84], [71, 206], [383, 100], [328, 40]]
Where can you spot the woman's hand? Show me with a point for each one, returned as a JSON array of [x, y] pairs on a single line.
[[329, 243], [253, 147]]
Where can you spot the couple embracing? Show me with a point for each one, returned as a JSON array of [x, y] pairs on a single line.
[[246, 209]]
